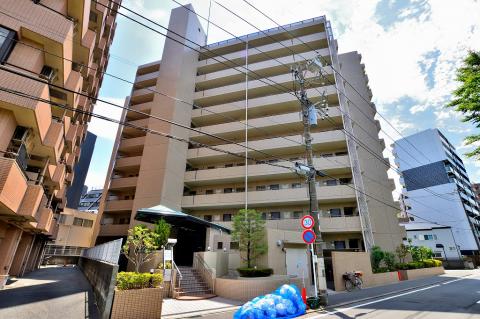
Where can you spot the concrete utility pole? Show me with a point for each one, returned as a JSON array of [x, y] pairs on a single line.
[[309, 117]]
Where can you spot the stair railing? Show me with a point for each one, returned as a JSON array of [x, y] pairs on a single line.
[[205, 271], [176, 278]]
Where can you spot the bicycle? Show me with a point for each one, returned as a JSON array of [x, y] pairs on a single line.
[[353, 280]]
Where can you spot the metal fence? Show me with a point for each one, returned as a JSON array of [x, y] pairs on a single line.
[[108, 252], [57, 250]]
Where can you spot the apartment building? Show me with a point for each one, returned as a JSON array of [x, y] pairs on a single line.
[[40, 142], [148, 169], [90, 201], [437, 188], [476, 191]]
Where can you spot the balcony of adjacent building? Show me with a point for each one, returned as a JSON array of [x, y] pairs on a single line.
[[142, 95], [131, 146], [263, 127], [133, 112], [257, 87], [325, 141], [235, 172], [123, 182], [114, 224], [263, 69], [13, 186], [262, 49], [259, 107], [293, 194], [127, 163]]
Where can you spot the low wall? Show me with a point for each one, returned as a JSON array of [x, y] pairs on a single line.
[[382, 279], [423, 272], [245, 289], [138, 303], [102, 277]]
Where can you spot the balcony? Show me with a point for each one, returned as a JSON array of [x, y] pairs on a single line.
[[31, 202], [118, 205], [113, 230], [142, 95], [321, 141], [331, 165], [13, 186], [275, 50], [45, 219], [258, 107], [344, 224], [126, 163], [275, 125], [132, 144], [292, 196], [143, 123], [120, 183], [54, 139], [147, 77]]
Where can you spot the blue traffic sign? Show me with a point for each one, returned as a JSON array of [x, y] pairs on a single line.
[[309, 236]]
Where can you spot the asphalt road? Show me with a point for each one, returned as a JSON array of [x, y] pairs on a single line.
[[452, 299]]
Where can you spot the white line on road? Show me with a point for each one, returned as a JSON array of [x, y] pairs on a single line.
[[372, 302], [449, 282]]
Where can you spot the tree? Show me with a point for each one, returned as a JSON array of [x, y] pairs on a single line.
[[467, 96], [140, 245], [402, 252], [249, 231], [377, 255], [162, 229]]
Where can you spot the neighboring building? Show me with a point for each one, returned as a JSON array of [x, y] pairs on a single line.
[[147, 169], [437, 237], [476, 191], [76, 190], [40, 142], [437, 187], [90, 201]]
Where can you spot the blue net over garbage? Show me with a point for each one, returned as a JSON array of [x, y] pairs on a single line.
[[285, 302]]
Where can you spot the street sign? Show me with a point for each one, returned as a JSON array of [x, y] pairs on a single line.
[[307, 222], [308, 236]]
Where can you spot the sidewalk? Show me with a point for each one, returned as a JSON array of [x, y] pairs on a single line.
[[173, 308], [50, 292]]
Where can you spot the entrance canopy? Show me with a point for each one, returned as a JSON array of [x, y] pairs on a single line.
[[175, 218]]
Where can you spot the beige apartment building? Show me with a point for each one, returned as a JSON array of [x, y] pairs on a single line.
[[44, 46], [148, 170]]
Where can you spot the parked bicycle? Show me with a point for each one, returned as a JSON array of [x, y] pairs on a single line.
[[353, 280]]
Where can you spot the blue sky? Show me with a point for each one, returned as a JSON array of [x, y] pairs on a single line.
[[410, 49]]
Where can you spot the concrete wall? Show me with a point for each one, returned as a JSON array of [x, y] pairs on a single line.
[[424, 272], [216, 260], [102, 277]]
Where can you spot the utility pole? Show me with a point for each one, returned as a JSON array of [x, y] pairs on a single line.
[[309, 117]]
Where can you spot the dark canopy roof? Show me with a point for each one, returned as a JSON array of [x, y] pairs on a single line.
[[174, 218]]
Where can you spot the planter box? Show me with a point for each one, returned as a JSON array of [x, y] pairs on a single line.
[[138, 303], [421, 273]]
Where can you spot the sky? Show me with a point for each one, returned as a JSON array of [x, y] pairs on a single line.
[[410, 48]]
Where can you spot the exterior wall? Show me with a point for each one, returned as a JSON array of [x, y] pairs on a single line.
[[444, 236], [40, 143], [70, 234]]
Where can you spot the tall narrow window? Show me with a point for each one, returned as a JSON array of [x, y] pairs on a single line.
[[7, 41]]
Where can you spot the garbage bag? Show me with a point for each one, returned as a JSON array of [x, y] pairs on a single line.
[[285, 302]]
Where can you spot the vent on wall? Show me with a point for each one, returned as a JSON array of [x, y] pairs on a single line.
[[48, 73]]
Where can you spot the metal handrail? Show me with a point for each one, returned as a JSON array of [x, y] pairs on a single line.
[[206, 271], [178, 270]]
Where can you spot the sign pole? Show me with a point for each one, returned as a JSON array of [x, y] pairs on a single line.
[[314, 264]]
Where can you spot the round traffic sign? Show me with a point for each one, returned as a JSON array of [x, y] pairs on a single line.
[[307, 222], [308, 236]]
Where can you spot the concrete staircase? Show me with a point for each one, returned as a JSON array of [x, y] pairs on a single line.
[[192, 286]]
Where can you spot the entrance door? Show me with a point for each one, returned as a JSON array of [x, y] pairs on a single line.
[[297, 264], [188, 242]]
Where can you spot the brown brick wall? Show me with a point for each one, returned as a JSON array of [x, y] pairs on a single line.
[[138, 303]]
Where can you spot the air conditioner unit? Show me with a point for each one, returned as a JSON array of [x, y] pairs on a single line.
[[48, 73]]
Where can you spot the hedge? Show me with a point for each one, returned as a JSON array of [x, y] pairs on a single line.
[[427, 263], [135, 280]]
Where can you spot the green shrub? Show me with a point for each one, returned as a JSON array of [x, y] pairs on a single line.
[[377, 256], [415, 265], [135, 280], [381, 270], [401, 266], [252, 272], [389, 260], [432, 263]]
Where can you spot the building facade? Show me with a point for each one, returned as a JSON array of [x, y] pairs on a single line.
[[45, 48], [476, 191], [437, 187], [90, 201], [76, 190], [148, 169]]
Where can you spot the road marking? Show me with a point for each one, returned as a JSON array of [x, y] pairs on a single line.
[[372, 302], [449, 282], [478, 301]]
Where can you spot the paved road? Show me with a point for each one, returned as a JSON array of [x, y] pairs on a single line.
[[49, 293], [454, 298]]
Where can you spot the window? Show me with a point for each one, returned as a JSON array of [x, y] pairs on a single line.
[[331, 182], [227, 217], [93, 16], [274, 187], [296, 185], [345, 181], [209, 192], [327, 155], [234, 245], [241, 164], [88, 223], [341, 153], [264, 216], [228, 190], [210, 167], [335, 212], [261, 188], [437, 254], [339, 244], [228, 165], [275, 215], [77, 221], [208, 218], [353, 243], [240, 189], [428, 237], [348, 211], [192, 193], [220, 245], [7, 41], [62, 219], [297, 215]]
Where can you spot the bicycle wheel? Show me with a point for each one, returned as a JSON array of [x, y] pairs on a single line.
[[349, 285], [358, 282]]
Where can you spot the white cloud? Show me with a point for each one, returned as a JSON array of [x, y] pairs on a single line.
[[419, 108], [103, 128]]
